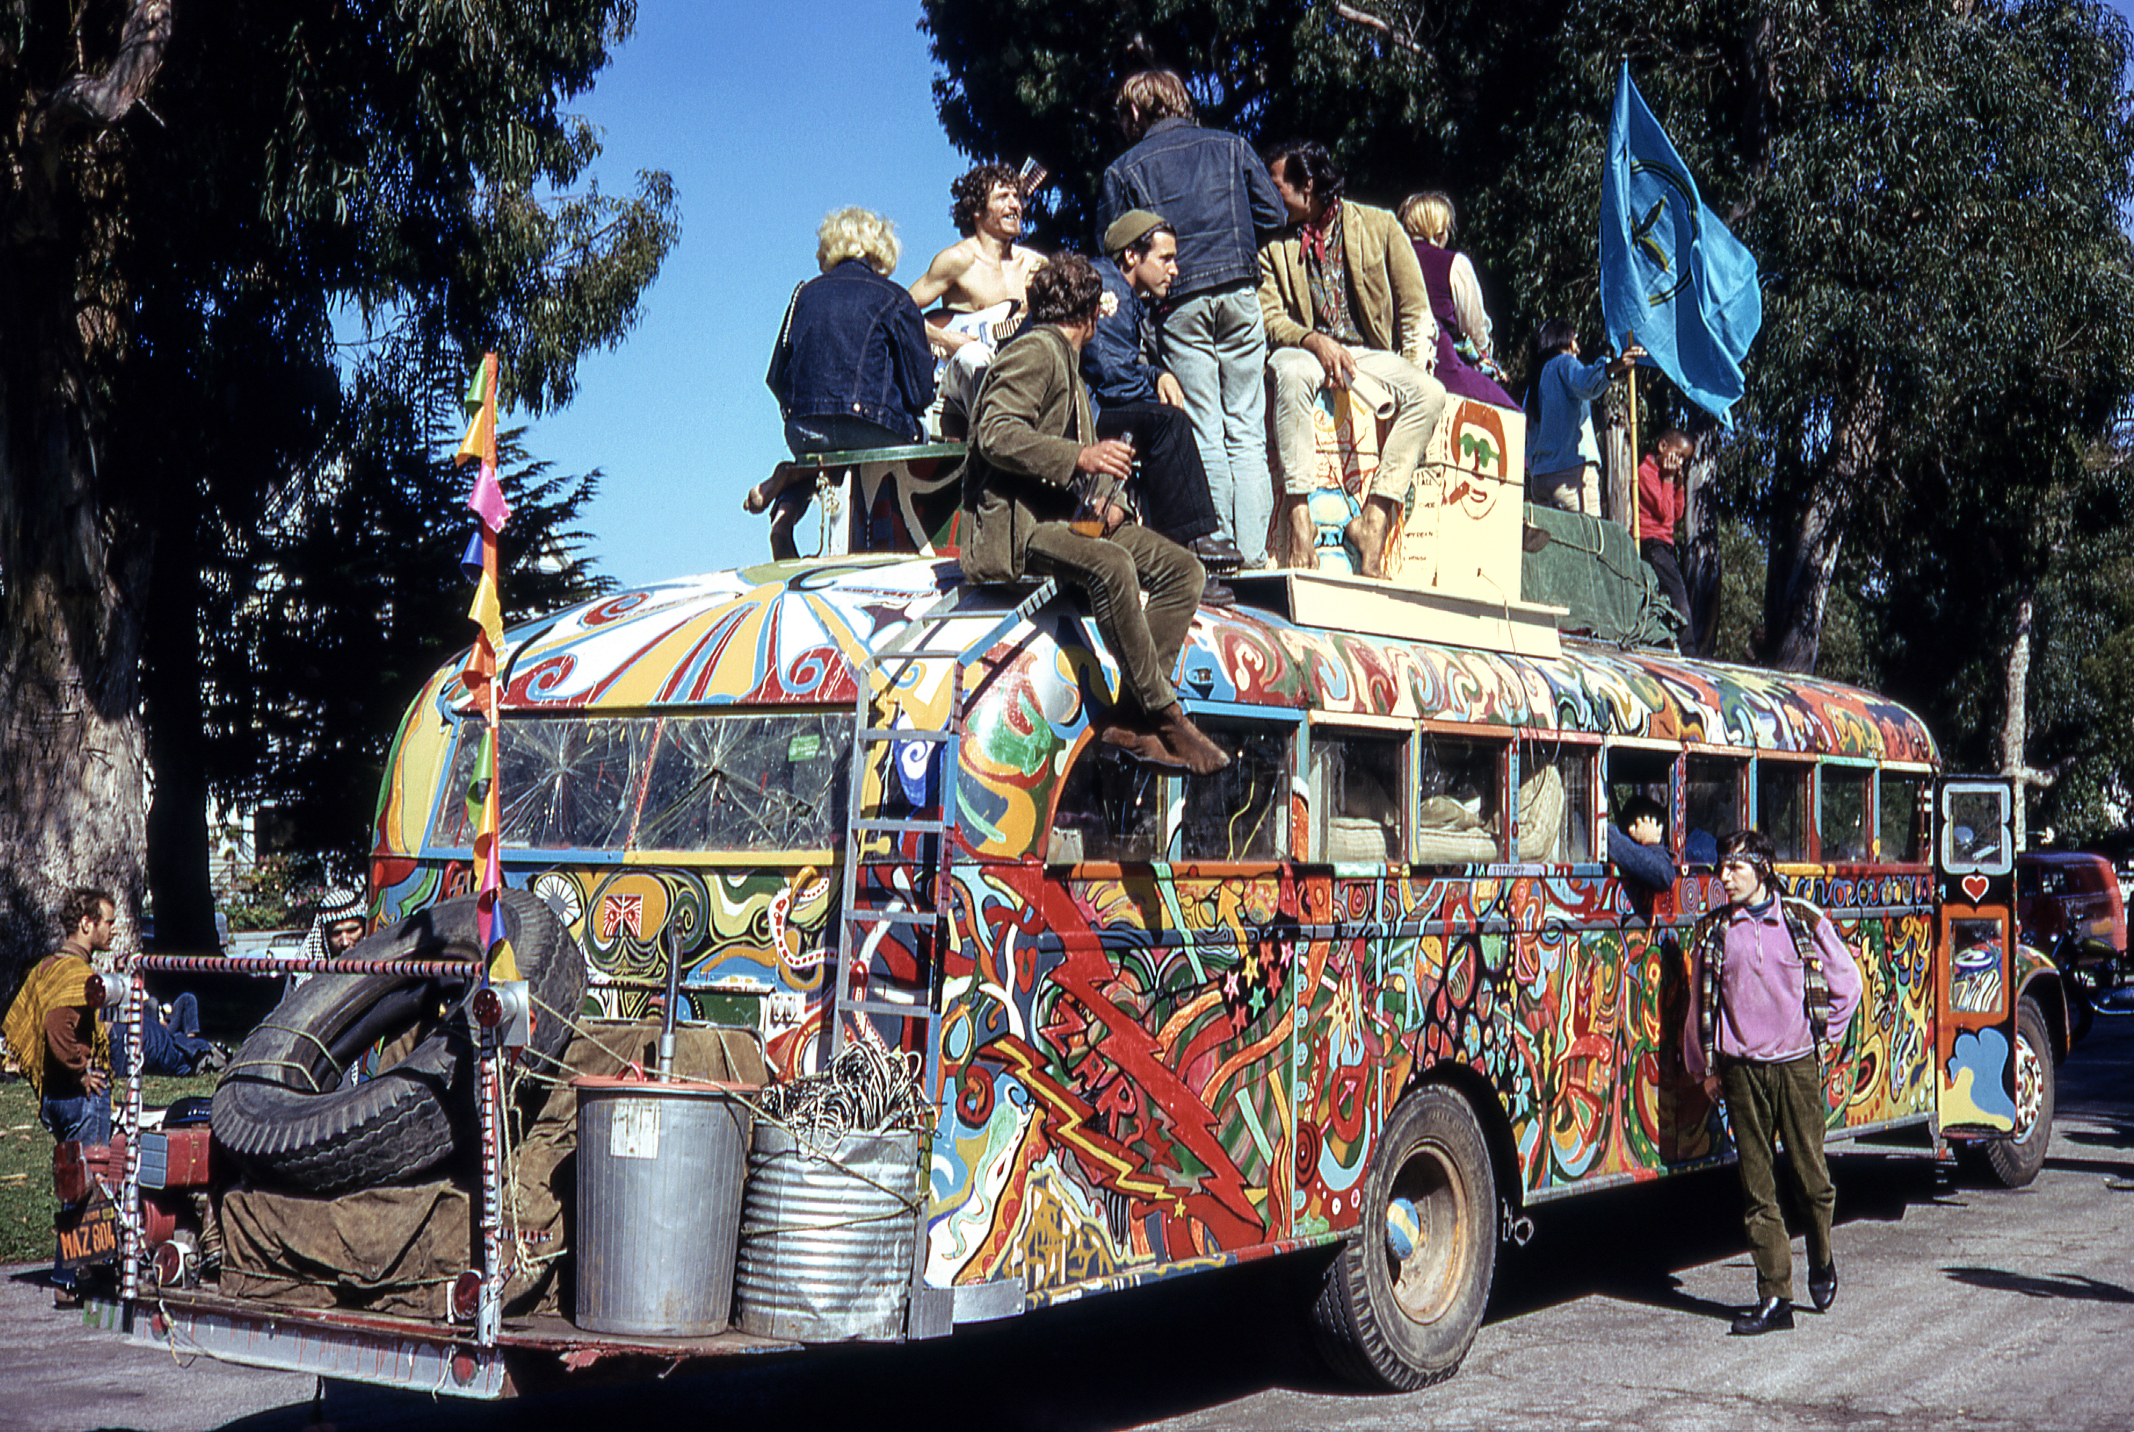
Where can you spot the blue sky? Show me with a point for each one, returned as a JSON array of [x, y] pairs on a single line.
[[768, 116]]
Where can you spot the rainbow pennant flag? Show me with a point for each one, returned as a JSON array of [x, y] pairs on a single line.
[[487, 614]]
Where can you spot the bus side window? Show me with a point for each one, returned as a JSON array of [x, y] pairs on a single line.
[[1359, 785], [1782, 805], [1711, 805], [1459, 818], [1555, 803], [1843, 813], [1902, 812], [1242, 811], [1110, 808], [1634, 772]]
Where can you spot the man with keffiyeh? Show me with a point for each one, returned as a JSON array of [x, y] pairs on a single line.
[[1772, 987], [1344, 300], [335, 928]]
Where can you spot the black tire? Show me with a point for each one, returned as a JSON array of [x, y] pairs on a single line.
[[281, 1107], [1387, 1323], [2015, 1162]]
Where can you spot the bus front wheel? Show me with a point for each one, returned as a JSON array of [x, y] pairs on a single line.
[[1403, 1302], [2015, 1162]]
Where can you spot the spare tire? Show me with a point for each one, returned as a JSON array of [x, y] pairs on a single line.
[[282, 1107]]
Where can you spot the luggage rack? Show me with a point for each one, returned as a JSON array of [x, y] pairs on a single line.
[[488, 1309]]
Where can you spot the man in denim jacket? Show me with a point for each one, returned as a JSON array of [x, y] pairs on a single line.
[[1216, 194], [851, 369]]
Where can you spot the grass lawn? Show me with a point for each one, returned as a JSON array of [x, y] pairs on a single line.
[[26, 1202]]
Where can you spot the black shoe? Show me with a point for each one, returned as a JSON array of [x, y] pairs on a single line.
[[1217, 553], [1769, 1316], [1823, 1285], [1217, 594]]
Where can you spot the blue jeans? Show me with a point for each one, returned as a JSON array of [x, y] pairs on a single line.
[[838, 432], [169, 1049], [1215, 344], [85, 1118]]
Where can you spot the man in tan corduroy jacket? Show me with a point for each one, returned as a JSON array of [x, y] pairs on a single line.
[[1342, 294]]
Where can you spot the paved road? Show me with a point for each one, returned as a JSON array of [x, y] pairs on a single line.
[[1963, 1306]]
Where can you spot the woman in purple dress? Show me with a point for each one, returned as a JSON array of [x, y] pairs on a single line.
[[1455, 298]]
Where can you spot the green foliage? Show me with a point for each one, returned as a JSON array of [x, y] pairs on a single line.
[[337, 613], [270, 894], [1933, 192], [177, 266]]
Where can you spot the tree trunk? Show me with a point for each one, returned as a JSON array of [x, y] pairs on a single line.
[[177, 718], [2015, 714], [2015, 720], [1808, 530], [1700, 545], [72, 562], [74, 552]]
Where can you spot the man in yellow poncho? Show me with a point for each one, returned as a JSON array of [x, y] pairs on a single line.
[[56, 1036]]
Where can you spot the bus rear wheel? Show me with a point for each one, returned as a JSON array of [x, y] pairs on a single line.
[[2015, 1162], [1403, 1302]]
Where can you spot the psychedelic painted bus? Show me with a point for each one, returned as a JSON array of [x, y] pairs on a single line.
[[1373, 985]]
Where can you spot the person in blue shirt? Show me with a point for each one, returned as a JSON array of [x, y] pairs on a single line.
[[1559, 402], [1637, 847], [1138, 399], [1216, 194], [851, 370]]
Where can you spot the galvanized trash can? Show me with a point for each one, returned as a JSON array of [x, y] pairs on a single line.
[[659, 1205], [826, 1256]]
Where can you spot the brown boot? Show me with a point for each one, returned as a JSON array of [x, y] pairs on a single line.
[[1186, 741], [1138, 741]]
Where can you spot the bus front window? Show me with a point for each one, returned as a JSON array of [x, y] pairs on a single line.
[[1110, 808], [1239, 813]]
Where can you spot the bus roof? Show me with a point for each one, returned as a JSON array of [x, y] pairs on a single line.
[[780, 634]]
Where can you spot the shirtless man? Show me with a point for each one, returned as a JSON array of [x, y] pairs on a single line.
[[985, 269]]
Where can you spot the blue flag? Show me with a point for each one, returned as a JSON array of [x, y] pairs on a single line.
[[1671, 274]]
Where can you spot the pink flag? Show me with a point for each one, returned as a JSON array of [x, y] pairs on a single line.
[[487, 500]]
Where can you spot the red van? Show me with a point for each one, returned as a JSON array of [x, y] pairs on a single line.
[[2068, 904]]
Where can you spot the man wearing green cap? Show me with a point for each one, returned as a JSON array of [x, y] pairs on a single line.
[[1038, 501], [1139, 400]]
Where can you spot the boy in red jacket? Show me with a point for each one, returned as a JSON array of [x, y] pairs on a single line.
[[1661, 500]]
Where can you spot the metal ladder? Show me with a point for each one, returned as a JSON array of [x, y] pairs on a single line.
[[921, 843]]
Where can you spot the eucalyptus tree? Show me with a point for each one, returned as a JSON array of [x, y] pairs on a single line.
[[194, 200]]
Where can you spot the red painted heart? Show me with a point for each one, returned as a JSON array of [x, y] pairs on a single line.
[[1975, 886]]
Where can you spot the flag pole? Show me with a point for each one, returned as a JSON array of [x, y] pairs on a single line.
[[479, 676], [1637, 514]]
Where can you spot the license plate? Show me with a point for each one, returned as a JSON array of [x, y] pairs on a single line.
[[88, 1232]]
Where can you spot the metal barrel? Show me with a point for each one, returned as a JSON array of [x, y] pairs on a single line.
[[826, 1256], [659, 1206]]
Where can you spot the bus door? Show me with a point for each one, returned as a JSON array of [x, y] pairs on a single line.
[[1974, 956]]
